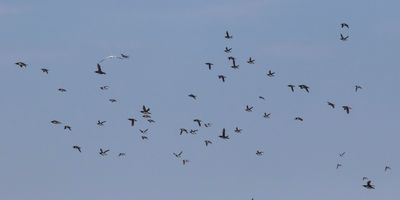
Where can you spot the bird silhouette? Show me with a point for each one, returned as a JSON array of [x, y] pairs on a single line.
[[259, 153], [248, 108], [250, 61], [209, 65], [143, 131], [298, 119], [132, 121], [387, 168], [224, 136], [227, 50], [55, 122], [21, 64], [369, 185], [185, 161], [344, 25], [207, 124], [331, 104], [304, 87], [146, 116], [151, 121], [347, 109], [67, 127], [343, 38], [222, 77], [112, 100], [102, 152], [145, 110], [227, 36], [338, 165], [238, 130], [291, 87], [267, 115], [358, 87], [124, 56], [77, 148], [193, 131], [198, 121], [192, 96], [100, 123], [104, 87], [342, 154], [207, 142], [261, 97], [121, 154], [183, 130], [270, 73], [62, 90], [144, 137], [178, 155], [99, 71], [44, 70]]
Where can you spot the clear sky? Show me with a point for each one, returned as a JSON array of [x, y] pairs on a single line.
[[168, 43]]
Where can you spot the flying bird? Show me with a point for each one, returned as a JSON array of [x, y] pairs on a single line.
[[343, 38], [298, 119], [358, 87], [198, 121], [77, 148], [267, 115], [55, 122], [222, 77], [259, 153], [331, 104], [238, 130], [209, 65], [193, 131], [387, 168], [178, 155], [143, 131], [227, 36], [144, 137], [338, 165], [62, 90], [224, 136], [100, 123], [344, 25], [250, 61], [121, 154], [369, 185], [132, 121], [44, 70], [304, 87], [347, 109], [145, 110], [270, 73], [248, 108], [99, 71], [192, 96], [227, 50], [112, 100], [207, 125], [151, 121], [185, 161], [261, 97], [342, 154], [67, 127], [124, 56], [102, 152], [104, 87], [207, 142], [21, 64], [183, 130]]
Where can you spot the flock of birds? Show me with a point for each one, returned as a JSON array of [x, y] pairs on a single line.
[[146, 114]]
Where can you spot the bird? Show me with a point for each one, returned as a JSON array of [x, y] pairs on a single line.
[[193, 131], [124, 56], [102, 152], [198, 121], [183, 130], [77, 148], [99, 71], [369, 185], [342, 154], [267, 115], [104, 87], [21, 64], [145, 110], [55, 122], [305, 87], [192, 96], [347, 109], [143, 131], [100, 123], [248, 108], [387, 168], [331, 104], [209, 65], [291, 87], [270, 73], [227, 36], [358, 87], [227, 50], [224, 136], [250, 61], [222, 77], [234, 66], [261, 97], [207, 124], [151, 121], [121, 154], [178, 155], [207, 142], [238, 130], [338, 165], [144, 137], [67, 127], [112, 100], [343, 38], [344, 25], [299, 119], [44, 70], [132, 121], [146, 116], [185, 161], [62, 90], [259, 153]]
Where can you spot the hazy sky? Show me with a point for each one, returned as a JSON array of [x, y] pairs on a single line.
[[168, 43]]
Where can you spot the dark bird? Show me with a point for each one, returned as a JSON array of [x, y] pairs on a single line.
[[291, 87], [304, 87], [178, 155], [21, 64], [298, 118], [102, 152], [227, 50], [250, 61], [331, 104], [261, 97], [387, 168], [100, 123], [99, 71], [78, 148], [344, 25], [358, 87], [342, 154], [112, 100], [238, 130], [267, 115], [207, 142], [224, 136], [183, 130], [369, 185], [270, 73], [146, 116], [198, 121], [44, 70], [62, 90], [192, 96], [222, 77], [55, 122], [67, 127], [124, 56], [343, 38], [259, 153], [143, 131], [121, 154], [207, 125], [104, 87], [209, 65], [338, 165], [145, 110], [185, 161], [227, 36], [144, 137], [193, 131], [347, 109], [151, 121], [248, 108], [132, 121]]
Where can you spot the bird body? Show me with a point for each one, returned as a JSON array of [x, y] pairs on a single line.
[[369, 185], [224, 136], [99, 71], [77, 148]]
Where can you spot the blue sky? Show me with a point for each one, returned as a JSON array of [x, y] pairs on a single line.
[[168, 43]]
